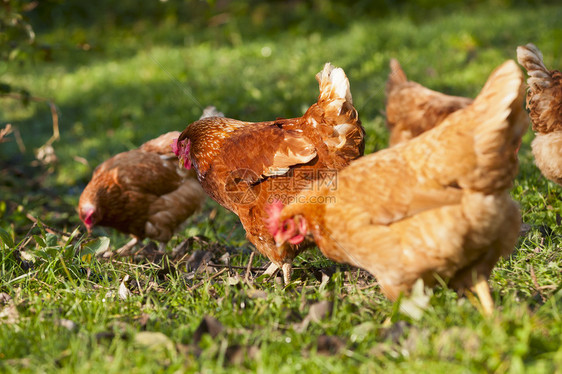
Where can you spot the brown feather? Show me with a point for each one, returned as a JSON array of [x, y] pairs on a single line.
[[437, 204], [143, 192], [412, 109], [161, 145], [544, 97], [544, 102], [244, 166]]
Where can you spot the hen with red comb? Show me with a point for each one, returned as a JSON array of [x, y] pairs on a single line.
[[142, 192], [245, 166]]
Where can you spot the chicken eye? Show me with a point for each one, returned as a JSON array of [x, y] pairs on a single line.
[[288, 225]]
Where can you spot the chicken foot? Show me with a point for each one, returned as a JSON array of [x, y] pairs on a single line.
[[482, 290], [271, 269], [286, 268]]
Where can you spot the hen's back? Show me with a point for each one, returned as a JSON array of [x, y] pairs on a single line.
[[544, 96], [438, 203], [143, 191], [412, 109]]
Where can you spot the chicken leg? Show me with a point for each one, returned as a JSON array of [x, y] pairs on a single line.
[[271, 269], [482, 290], [286, 268]]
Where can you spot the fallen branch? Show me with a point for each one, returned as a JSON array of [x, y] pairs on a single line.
[[249, 267], [536, 284], [52, 107], [207, 279], [7, 130], [220, 266], [49, 229], [27, 238]]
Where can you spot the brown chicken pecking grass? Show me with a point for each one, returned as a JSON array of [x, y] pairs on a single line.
[[438, 204], [244, 165]]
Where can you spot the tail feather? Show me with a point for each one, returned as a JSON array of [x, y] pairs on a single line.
[[503, 122], [531, 59], [396, 76], [544, 98], [480, 141], [211, 111], [339, 122], [334, 85]]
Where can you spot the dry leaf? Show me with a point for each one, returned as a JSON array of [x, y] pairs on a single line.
[[415, 304], [67, 324], [188, 350], [123, 291], [143, 319], [198, 259], [154, 341], [209, 325], [236, 354], [320, 310], [362, 331], [180, 250], [5, 298], [329, 345], [9, 314], [234, 280], [316, 313], [14, 363], [395, 331], [256, 294], [46, 155]]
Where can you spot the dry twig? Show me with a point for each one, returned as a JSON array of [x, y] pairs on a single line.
[[207, 279], [49, 229], [536, 283], [249, 268], [54, 117], [7, 130]]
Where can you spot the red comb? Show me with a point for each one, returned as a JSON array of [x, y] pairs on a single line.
[[175, 147], [273, 211], [181, 149]]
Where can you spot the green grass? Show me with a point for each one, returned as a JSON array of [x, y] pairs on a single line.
[[144, 77]]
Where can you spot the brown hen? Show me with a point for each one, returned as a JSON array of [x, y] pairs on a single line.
[[437, 204], [142, 192], [244, 165], [544, 102], [412, 109]]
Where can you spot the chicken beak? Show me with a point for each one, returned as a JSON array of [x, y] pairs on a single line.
[[279, 241], [283, 248]]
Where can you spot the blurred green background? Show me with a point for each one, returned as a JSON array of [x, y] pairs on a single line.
[[124, 72]]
